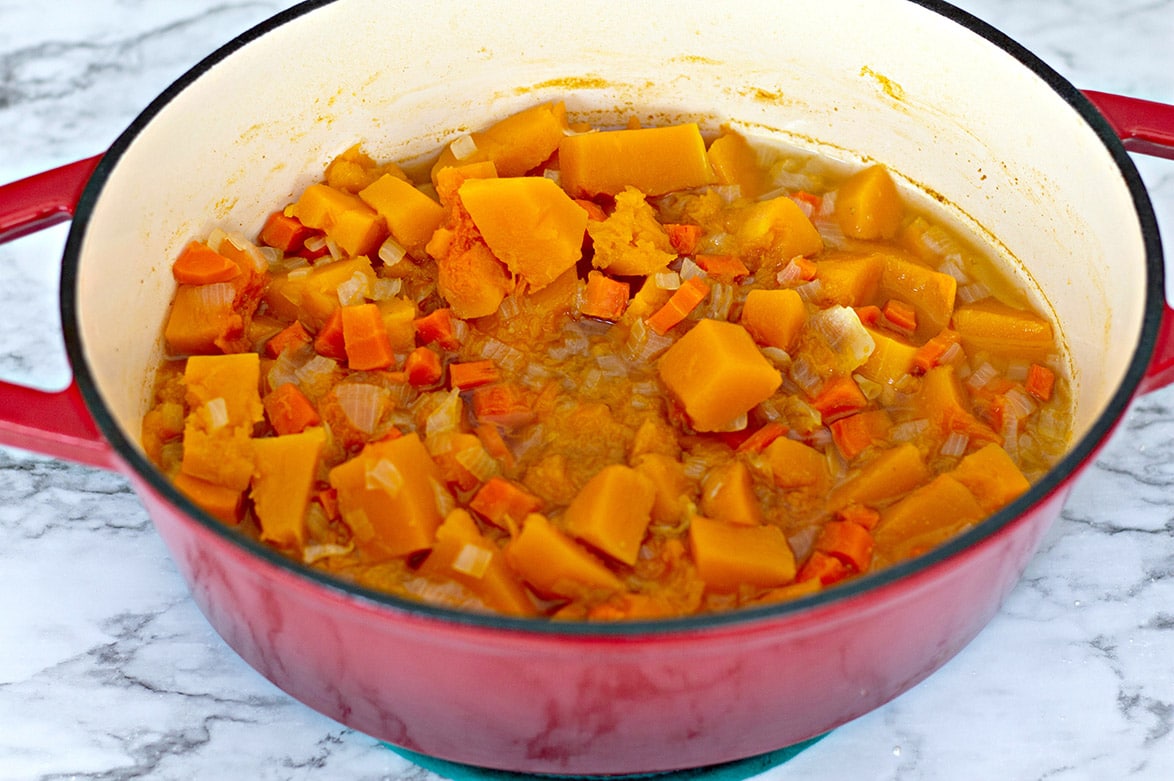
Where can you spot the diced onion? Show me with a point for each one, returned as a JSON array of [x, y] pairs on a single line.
[[315, 371], [478, 462], [841, 328], [447, 415], [445, 503], [472, 560], [982, 376], [955, 444], [791, 274], [909, 430], [643, 344], [299, 272], [463, 147], [553, 174], [968, 294], [354, 290], [810, 291], [315, 243], [314, 553], [728, 192], [362, 404], [386, 289], [612, 365], [952, 354], [720, 301], [690, 269], [1019, 403], [778, 356], [383, 475], [333, 248], [505, 356], [805, 376], [391, 252], [217, 412], [667, 280], [871, 390], [952, 265], [217, 296]]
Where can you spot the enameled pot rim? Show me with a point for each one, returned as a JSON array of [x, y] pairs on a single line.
[[1081, 453]]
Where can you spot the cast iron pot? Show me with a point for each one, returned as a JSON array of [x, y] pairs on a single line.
[[950, 104]]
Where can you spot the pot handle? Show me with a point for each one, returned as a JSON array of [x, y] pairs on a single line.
[[1145, 127], [54, 423]]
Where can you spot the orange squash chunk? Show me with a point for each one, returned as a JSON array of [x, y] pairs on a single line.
[[653, 160], [727, 494], [892, 473], [728, 555], [556, 565], [868, 205], [411, 216], [283, 475], [927, 517], [612, 511], [774, 317], [991, 475]]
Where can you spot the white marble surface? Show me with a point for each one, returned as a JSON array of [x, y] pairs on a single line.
[[108, 671]]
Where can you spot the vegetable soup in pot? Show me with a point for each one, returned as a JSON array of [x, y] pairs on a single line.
[[604, 374]]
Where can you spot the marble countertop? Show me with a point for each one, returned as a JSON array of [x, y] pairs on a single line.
[[108, 670]]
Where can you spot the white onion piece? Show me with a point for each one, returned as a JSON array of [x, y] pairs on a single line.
[[362, 404]]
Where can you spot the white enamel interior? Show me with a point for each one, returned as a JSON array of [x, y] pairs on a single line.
[[856, 79]]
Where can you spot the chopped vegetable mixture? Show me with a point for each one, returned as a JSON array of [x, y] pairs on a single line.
[[601, 374]]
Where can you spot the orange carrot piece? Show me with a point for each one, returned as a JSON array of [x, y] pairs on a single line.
[[286, 233], [807, 268], [682, 236], [859, 514], [289, 411], [199, 264], [594, 211], [503, 404], [838, 397], [726, 268], [811, 199], [683, 301], [823, 567], [1040, 381], [365, 337], [495, 444], [503, 502], [606, 298], [900, 316], [850, 543], [422, 367], [329, 341], [930, 354], [869, 315], [438, 327], [854, 433], [293, 335], [766, 434], [470, 374]]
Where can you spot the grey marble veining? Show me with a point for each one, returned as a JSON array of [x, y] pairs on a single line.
[[108, 671]]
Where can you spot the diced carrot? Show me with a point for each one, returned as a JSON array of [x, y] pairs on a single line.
[[606, 298], [284, 232], [365, 338], [823, 567], [293, 335], [869, 314], [1040, 382], [683, 301], [503, 404], [853, 434], [423, 367], [289, 411], [838, 397], [726, 268], [900, 316], [199, 264], [470, 374], [859, 514], [811, 199], [328, 342], [930, 354], [594, 211], [848, 542], [438, 327], [683, 236], [494, 444], [504, 503], [766, 434]]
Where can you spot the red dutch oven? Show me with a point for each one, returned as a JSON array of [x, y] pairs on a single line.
[[1003, 143]]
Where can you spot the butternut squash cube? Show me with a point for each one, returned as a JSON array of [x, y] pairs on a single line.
[[612, 511], [529, 223], [344, 217], [849, 281], [892, 473], [462, 553], [868, 205], [991, 475], [319, 288], [654, 160], [673, 486], [995, 327], [201, 317], [925, 518], [387, 495], [728, 555], [554, 564], [891, 359], [778, 228], [944, 403], [225, 504], [727, 494], [774, 317], [929, 292], [735, 162], [515, 145], [233, 379], [794, 465], [284, 470], [411, 216]]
